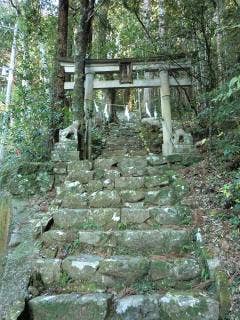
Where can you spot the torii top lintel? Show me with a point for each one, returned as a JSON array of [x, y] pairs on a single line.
[[101, 66]]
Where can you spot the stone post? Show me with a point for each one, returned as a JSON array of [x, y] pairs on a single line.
[[167, 147], [88, 108], [5, 216]]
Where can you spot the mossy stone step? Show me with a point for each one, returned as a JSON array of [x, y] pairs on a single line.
[[91, 272], [143, 242], [70, 306], [100, 306], [115, 218], [171, 306]]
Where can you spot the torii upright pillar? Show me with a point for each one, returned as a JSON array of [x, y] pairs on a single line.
[[167, 147], [88, 105]]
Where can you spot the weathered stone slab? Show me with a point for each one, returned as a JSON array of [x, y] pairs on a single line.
[[49, 270], [70, 306], [132, 195], [133, 166], [175, 269], [65, 156], [81, 268], [178, 214], [138, 307], [154, 160], [105, 163], [130, 183], [171, 306], [56, 237], [69, 187], [94, 238], [68, 145], [127, 268], [86, 218], [81, 176], [105, 199], [186, 306], [70, 218], [147, 242], [94, 185], [83, 165], [156, 181], [111, 174], [153, 241], [134, 216], [163, 197], [106, 217], [75, 201]]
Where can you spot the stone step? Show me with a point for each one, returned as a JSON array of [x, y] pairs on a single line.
[[165, 196], [144, 242], [90, 272], [68, 145], [64, 155], [70, 306], [125, 217], [102, 306]]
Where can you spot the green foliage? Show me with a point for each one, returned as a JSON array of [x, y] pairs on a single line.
[[64, 279], [97, 140], [231, 194], [145, 286]]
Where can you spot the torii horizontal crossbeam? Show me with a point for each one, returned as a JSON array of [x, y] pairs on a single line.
[[145, 83], [112, 65]]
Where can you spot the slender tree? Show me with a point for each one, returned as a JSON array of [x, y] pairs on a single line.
[[82, 40], [58, 102]]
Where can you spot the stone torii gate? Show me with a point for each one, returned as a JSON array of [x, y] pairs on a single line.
[[126, 70]]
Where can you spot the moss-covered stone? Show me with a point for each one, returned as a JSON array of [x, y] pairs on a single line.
[[186, 306], [83, 267], [163, 197], [132, 195], [132, 216], [49, 270], [130, 183], [223, 293], [126, 269], [174, 269], [178, 214], [75, 200], [105, 199], [70, 306], [153, 182]]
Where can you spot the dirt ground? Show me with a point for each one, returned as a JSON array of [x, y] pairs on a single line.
[[210, 215]]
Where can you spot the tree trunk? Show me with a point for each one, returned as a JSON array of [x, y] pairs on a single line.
[[59, 78], [147, 92], [82, 40], [219, 35], [161, 19]]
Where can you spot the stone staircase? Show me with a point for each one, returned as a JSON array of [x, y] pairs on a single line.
[[121, 245]]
